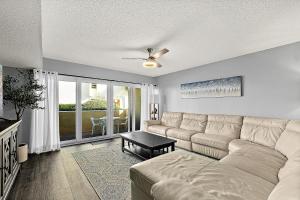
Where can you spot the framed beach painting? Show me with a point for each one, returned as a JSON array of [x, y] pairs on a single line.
[[224, 87]]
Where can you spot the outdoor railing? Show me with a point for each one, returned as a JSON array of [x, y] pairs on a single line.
[[67, 122]]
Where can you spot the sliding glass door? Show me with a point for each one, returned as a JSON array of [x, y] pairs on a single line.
[[91, 109], [94, 109], [120, 109], [67, 110]]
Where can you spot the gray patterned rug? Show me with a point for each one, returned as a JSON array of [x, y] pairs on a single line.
[[107, 169]]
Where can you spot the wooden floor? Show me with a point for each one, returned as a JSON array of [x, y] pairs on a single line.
[[54, 176]]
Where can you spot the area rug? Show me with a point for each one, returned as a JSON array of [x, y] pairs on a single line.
[[107, 169]]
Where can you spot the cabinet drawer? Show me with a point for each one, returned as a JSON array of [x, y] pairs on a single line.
[[13, 149], [6, 162]]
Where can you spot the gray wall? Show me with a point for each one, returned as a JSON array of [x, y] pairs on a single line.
[[95, 72], [9, 112], [271, 85]]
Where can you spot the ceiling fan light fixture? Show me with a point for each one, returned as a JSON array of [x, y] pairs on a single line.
[[150, 64]]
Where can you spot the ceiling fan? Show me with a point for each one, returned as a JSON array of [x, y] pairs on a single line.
[[151, 61]]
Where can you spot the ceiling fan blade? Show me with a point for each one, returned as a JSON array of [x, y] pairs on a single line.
[[134, 58], [160, 53]]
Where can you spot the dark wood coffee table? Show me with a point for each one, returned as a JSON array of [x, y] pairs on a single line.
[[147, 141]]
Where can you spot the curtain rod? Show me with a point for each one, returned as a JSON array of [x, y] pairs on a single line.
[[103, 79]]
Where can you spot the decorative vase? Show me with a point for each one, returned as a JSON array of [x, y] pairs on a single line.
[[22, 152]]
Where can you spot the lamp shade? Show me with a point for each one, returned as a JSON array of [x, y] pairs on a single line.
[[150, 63]]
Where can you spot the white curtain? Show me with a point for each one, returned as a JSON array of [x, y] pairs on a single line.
[[44, 124], [150, 94]]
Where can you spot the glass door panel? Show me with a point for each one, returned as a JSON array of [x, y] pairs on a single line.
[[67, 110], [120, 109], [94, 109]]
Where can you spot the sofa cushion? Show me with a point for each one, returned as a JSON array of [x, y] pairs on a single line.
[[194, 122], [163, 190], [265, 131], [209, 151], [183, 144], [263, 162], [148, 123], [178, 164], [212, 183], [238, 144], [158, 129], [231, 183], [287, 189], [180, 133], [291, 166], [216, 141], [289, 141], [171, 119], [227, 125]]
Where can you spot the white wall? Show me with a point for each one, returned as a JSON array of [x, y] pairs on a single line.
[[20, 33], [20, 46], [271, 85]]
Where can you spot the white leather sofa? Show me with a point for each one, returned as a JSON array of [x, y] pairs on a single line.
[[206, 134], [263, 162]]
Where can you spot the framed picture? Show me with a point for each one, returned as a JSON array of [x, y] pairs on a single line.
[[225, 87]]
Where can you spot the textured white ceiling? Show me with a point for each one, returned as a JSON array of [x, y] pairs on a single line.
[[100, 32], [20, 33]]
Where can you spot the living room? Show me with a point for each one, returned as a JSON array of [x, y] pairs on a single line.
[[138, 99]]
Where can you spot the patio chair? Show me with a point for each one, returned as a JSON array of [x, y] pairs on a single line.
[[124, 122], [100, 122]]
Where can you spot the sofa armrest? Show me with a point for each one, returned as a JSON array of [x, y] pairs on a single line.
[[148, 123]]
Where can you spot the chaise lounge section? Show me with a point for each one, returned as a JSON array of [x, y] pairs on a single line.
[[263, 163]]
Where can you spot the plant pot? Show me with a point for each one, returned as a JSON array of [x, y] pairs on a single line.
[[22, 153]]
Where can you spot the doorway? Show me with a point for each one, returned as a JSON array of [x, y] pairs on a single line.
[[91, 109]]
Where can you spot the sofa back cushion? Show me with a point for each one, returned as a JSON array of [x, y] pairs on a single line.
[[194, 122], [226, 125], [171, 119], [264, 131], [289, 141], [258, 160]]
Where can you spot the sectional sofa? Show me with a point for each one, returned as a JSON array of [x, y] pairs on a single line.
[[221, 157]]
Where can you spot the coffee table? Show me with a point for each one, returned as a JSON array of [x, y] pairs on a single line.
[[147, 141]]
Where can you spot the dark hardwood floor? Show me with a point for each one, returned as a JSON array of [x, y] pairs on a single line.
[[55, 176]]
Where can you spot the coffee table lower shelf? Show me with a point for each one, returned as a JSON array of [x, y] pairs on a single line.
[[152, 153], [140, 149]]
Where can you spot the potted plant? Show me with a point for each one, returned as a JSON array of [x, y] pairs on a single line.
[[23, 92]]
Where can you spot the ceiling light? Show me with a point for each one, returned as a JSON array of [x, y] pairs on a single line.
[[150, 64]]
